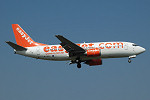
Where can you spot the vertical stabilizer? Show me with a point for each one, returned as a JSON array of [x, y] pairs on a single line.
[[22, 38]]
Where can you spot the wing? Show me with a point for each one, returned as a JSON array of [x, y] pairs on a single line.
[[70, 47]]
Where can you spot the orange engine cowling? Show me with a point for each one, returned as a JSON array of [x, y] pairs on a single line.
[[93, 52], [94, 62]]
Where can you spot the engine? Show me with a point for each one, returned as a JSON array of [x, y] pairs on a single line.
[[94, 62], [93, 52]]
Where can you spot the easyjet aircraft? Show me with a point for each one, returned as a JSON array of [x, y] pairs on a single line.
[[89, 53]]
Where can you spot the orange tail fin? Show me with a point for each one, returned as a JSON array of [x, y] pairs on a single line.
[[22, 38]]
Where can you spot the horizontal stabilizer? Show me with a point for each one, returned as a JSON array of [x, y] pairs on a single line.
[[15, 46]]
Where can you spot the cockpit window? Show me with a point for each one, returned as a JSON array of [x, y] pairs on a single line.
[[135, 45]]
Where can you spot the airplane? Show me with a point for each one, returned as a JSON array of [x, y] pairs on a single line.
[[89, 53]]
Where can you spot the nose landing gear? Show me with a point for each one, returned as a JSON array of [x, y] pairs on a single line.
[[129, 60], [133, 56]]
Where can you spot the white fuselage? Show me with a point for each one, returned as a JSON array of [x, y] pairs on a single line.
[[108, 50]]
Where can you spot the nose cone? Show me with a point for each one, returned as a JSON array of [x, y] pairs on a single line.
[[143, 50], [140, 50]]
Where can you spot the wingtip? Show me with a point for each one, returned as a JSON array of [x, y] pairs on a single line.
[[58, 35], [7, 41]]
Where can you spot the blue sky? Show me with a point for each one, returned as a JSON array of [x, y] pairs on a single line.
[[23, 78]]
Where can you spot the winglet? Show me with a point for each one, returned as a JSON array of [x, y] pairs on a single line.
[[15, 46]]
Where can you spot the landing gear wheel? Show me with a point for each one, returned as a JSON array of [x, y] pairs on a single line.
[[129, 60], [79, 65]]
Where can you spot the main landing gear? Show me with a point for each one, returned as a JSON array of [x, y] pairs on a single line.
[[78, 62], [78, 65]]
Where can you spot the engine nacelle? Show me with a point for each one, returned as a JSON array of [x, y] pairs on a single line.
[[93, 52], [94, 62]]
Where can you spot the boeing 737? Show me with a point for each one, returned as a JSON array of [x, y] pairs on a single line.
[[89, 53]]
